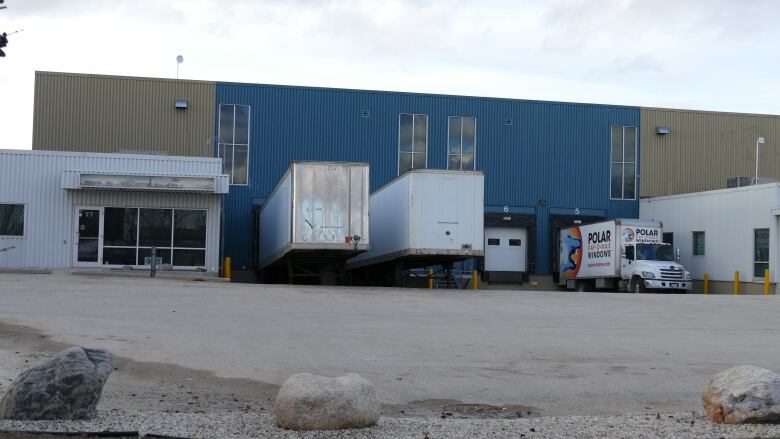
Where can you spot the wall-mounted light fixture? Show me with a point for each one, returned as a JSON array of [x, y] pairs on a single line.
[[181, 104], [662, 131]]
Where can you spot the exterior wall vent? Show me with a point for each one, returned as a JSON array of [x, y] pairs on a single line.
[[508, 121], [365, 114]]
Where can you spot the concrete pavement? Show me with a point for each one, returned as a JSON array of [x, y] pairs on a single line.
[[561, 352]]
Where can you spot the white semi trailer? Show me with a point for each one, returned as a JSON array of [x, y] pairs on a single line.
[[422, 218], [315, 218], [623, 253]]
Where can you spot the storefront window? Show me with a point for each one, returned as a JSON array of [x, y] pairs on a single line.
[[178, 234]]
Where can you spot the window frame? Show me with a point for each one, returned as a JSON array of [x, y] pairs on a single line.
[[460, 154], [703, 234], [755, 262], [623, 162], [24, 220], [222, 143], [427, 125]]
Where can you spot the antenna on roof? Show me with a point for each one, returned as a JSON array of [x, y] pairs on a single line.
[[179, 60]]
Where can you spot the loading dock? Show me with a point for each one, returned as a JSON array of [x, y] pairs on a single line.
[[506, 253]]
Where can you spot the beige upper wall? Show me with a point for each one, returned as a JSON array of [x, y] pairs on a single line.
[[703, 149], [97, 113]]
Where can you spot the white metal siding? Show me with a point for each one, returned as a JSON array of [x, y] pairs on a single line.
[[727, 218], [34, 178]]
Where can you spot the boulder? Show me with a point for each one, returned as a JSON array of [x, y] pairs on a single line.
[[66, 387], [743, 394], [312, 402]]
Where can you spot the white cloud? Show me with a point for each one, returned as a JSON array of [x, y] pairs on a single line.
[[709, 54]]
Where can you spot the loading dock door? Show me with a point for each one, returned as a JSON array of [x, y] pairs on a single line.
[[505, 249]]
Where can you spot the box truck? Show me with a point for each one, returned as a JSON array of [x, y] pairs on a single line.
[[422, 218], [317, 215], [623, 253]]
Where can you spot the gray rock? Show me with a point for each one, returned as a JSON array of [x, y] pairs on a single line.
[[743, 394], [312, 402], [66, 387]]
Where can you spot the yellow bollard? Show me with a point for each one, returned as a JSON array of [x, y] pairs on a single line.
[[430, 278], [706, 283], [226, 268], [736, 283], [474, 280], [766, 281]]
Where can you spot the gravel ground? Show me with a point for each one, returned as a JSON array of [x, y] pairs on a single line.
[[228, 425]]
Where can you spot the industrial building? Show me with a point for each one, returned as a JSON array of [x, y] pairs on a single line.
[[722, 232], [71, 210], [547, 165]]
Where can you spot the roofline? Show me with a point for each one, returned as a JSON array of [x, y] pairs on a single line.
[[122, 77], [432, 95], [347, 90], [409, 93], [41, 152], [708, 112], [752, 187]]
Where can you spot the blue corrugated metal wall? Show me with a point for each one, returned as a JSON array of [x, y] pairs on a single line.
[[554, 158]]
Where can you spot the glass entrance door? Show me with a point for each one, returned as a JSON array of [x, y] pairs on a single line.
[[88, 235]]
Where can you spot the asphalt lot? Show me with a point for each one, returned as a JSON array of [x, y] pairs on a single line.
[[560, 352]]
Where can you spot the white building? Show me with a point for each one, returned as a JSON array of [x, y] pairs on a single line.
[[64, 209], [723, 231]]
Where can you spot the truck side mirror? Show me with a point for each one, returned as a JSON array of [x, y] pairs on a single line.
[[630, 254], [677, 254]]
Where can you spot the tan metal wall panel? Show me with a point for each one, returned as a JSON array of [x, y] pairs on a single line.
[[97, 113], [703, 149]]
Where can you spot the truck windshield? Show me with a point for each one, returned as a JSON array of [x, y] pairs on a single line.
[[654, 252]]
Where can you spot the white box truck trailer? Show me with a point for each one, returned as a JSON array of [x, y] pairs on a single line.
[[623, 253], [316, 215], [425, 217]]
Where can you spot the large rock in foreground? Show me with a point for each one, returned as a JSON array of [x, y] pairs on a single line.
[[66, 387], [743, 394], [312, 402]]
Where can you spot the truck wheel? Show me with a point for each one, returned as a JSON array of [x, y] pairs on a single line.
[[638, 286]]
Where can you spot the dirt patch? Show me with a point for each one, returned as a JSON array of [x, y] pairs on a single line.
[[135, 385], [450, 408]]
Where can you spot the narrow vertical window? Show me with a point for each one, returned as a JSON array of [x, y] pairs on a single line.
[[760, 252], [698, 243], [412, 141], [462, 143], [234, 128], [623, 163]]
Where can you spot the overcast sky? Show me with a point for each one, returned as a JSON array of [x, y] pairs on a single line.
[[704, 54]]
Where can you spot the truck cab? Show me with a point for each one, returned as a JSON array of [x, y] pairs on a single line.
[[652, 266]]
